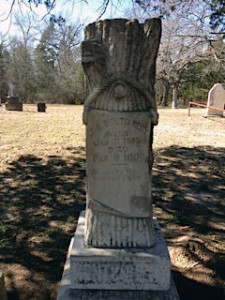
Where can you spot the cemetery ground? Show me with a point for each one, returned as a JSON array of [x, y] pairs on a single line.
[[42, 191]]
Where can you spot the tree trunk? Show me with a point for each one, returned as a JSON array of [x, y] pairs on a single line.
[[165, 93], [175, 93]]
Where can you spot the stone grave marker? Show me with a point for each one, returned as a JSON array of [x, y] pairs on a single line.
[[216, 98], [118, 251], [41, 106], [13, 104]]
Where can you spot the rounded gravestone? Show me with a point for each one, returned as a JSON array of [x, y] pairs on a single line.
[[216, 99]]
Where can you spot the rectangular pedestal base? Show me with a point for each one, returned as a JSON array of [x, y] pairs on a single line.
[[119, 269], [14, 106], [92, 273]]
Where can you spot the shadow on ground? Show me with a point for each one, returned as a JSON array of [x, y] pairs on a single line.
[[41, 199], [188, 193], [40, 204]]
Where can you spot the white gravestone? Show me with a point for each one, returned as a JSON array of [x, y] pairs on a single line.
[[216, 98], [118, 177], [118, 246]]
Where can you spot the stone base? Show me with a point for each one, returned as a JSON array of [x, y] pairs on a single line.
[[14, 106], [66, 293], [214, 115], [92, 273]]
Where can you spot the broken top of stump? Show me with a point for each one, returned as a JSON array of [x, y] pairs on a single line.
[[119, 60]]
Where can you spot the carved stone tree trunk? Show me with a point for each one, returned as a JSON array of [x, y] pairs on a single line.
[[119, 58]]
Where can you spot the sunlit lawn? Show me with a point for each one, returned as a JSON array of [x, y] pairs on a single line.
[[42, 191]]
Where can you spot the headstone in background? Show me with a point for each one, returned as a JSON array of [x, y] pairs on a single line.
[[120, 249], [13, 104], [216, 98], [41, 107]]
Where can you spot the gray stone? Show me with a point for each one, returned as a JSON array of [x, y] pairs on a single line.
[[3, 295], [216, 98], [14, 106], [119, 269], [77, 252]]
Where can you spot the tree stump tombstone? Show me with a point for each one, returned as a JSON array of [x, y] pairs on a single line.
[[118, 251], [120, 112]]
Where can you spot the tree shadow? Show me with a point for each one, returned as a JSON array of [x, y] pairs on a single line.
[[40, 203], [191, 289], [41, 199], [188, 195]]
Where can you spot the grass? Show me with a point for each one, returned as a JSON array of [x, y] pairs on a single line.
[[42, 191]]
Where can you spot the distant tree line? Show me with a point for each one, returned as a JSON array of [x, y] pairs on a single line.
[[48, 69], [191, 56]]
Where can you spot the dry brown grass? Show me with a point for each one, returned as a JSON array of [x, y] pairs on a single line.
[[42, 191], [61, 128], [41, 134]]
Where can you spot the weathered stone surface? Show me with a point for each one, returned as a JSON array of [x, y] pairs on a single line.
[[216, 98], [117, 162], [3, 295], [13, 104], [66, 293], [119, 269], [118, 179], [119, 58], [13, 99], [77, 252]]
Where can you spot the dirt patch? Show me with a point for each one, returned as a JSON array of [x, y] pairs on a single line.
[[188, 193], [42, 191]]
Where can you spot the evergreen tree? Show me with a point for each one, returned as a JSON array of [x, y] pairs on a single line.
[[45, 69], [21, 70]]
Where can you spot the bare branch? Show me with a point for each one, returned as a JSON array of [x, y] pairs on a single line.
[[10, 11]]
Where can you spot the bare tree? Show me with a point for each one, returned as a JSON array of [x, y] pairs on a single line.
[[177, 51], [26, 25]]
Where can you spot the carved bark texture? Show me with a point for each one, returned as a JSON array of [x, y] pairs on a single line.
[[119, 60]]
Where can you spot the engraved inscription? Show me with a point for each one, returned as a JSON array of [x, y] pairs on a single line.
[[121, 146], [118, 160], [107, 273]]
